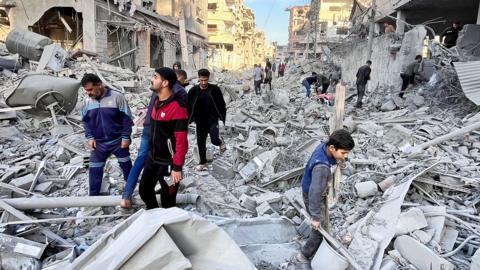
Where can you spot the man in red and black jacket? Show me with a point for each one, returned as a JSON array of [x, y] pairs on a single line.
[[168, 142]]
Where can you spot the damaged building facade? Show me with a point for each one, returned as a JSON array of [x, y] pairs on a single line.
[[234, 40], [333, 25], [129, 34]]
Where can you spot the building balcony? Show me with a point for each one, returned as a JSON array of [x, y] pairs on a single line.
[[221, 38], [226, 16]]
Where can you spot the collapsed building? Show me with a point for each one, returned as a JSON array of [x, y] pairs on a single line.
[[407, 198], [148, 33]]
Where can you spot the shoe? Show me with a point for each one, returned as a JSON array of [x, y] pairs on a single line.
[[223, 147], [126, 203], [201, 167], [301, 258]]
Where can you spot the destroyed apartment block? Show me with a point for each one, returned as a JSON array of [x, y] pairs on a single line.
[[407, 198]]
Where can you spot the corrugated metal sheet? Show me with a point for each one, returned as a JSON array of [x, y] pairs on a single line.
[[469, 75]]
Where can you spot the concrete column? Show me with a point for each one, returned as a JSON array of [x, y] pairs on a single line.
[[89, 26], [400, 22], [143, 53], [478, 16]]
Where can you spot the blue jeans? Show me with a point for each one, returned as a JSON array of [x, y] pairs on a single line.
[[138, 165], [307, 86]]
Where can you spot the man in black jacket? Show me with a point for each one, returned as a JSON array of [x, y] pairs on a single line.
[[450, 35], [205, 107], [363, 76]]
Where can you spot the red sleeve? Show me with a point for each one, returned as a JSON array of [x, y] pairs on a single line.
[[180, 116]]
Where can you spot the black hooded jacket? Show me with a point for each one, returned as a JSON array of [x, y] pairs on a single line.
[[212, 100]]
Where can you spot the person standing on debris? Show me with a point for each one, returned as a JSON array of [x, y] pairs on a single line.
[[307, 82], [181, 96], [108, 125], [205, 107], [389, 29], [408, 76], [450, 35], [268, 77], [168, 143], [325, 82], [257, 79], [363, 76], [281, 70], [268, 64], [316, 176]]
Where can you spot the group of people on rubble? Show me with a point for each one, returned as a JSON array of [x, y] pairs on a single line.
[[108, 125], [411, 72], [265, 76]]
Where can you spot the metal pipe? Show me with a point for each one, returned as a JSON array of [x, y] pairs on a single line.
[[88, 201], [453, 252]]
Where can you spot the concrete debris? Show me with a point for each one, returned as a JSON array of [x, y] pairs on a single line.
[[408, 195]]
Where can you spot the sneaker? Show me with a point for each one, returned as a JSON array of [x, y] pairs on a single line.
[[301, 258], [201, 167], [223, 147]]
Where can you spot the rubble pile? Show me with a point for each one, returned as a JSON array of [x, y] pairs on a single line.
[[407, 198]]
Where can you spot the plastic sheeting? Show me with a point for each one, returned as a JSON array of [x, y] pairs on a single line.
[[164, 239], [39, 91]]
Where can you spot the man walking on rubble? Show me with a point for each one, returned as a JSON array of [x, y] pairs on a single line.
[[450, 35], [182, 96], [268, 78], [408, 76], [363, 76], [315, 181], [257, 79], [108, 125], [168, 143], [205, 107]]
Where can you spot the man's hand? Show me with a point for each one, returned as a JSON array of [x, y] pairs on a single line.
[[177, 176], [125, 144], [92, 144], [315, 224]]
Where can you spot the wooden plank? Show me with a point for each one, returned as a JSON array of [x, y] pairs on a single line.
[[338, 124]]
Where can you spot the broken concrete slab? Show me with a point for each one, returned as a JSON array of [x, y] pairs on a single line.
[[22, 246], [23, 182], [422, 257], [264, 209], [449, 238], [223, 168], [248, 202], [409, 221], [366, 189], [435, 216]]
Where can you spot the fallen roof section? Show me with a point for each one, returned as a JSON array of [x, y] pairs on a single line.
[[468, 75], [164, 239]]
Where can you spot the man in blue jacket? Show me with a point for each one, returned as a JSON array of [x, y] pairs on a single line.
[[315, 181], [108, 124]]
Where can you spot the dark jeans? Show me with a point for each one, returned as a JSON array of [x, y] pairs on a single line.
[[406, 80], [307, 88], [99, 156], [203, 129], [315, 239], [258, 89], [325, 87], [153, 173], [361, 94]]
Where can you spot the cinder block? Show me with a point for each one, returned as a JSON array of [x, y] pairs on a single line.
[[270, 197], [304, 229], [409, 221], [223, 168], [422, 257], [264, 209], [188, 182], [23, 182], [44, 188], [248, 202]]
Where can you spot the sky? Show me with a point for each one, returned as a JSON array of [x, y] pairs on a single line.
[[271, 17]]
